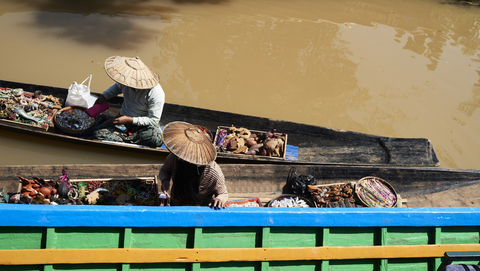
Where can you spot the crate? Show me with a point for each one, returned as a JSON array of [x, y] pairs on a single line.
[[220, 143]]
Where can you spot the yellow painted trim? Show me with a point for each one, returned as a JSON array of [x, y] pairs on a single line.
[[139, 255]]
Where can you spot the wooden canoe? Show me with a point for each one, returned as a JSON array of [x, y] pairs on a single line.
[[316, 145], [264, 181]]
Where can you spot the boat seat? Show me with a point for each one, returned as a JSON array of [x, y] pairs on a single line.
[[458, 256]]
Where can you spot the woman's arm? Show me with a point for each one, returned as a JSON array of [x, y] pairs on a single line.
[[165, 173]]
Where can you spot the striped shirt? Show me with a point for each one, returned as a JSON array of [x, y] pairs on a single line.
[[212, 181]]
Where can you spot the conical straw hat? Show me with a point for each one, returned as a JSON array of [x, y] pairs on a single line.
[[189, 143], [130, 71]]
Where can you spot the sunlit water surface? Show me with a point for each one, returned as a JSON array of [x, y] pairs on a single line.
[[390, 68]]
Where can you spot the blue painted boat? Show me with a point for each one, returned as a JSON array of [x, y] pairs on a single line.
[[241, 238]]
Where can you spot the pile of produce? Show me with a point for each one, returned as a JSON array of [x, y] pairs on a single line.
[[337, 195], [29, 108], [243, 141]]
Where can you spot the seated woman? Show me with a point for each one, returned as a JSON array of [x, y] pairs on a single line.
[[143, 101], [197, 179]]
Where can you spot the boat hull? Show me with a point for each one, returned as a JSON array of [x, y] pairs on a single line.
[[243, 238], [265, 181], [316, 145]]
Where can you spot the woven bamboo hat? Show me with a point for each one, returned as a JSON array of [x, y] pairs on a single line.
[[131, 71], [189, 143]]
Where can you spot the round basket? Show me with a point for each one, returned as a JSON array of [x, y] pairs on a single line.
[[290, 201], [375, 192], [206, 131], [87, 124]]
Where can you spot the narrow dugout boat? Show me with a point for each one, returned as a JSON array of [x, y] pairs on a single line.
[[264, 181], [308, 144]]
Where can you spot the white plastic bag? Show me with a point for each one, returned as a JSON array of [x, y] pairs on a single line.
[[79, 94]]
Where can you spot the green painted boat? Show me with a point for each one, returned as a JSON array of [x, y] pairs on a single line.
[[44, 237], [125, 238]]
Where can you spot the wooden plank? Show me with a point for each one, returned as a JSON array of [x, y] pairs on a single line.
[[16, 215], [197, 255]]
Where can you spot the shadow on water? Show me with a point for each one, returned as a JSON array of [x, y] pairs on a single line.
[[101, 22]]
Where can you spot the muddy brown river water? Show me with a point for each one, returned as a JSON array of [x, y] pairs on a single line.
[[391, 68]]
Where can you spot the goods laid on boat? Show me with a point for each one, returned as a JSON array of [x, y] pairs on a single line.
[[367, 192], [335, 195], [26, 108], [290, 201], [253, 202], [375, 192], [74, 120], [128, 191], [243, 141]]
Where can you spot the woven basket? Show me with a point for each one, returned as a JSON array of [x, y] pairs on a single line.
[[207, 132], [68, 130], [375, 192], [271, 203]]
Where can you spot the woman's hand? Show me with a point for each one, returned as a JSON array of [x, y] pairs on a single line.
[[122, 120], [100, 99], [217, 204], [165, 186]]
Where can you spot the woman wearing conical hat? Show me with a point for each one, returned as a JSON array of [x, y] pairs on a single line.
[[143, 101], [197, 179]]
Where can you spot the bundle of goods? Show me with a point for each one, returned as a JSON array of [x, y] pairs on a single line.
[[74, 120], [28, 108], [298, 183], [334, 195], [249, 142], [290, 201], [135, 191], [375, 192], [40, 191], [120, 192], [253, 202]]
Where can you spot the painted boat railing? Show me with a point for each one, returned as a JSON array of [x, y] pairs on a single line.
[[38, 237]]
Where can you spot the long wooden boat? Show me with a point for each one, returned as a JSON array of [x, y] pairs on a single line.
[[264, 181], [43, 237], [316, 145]]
